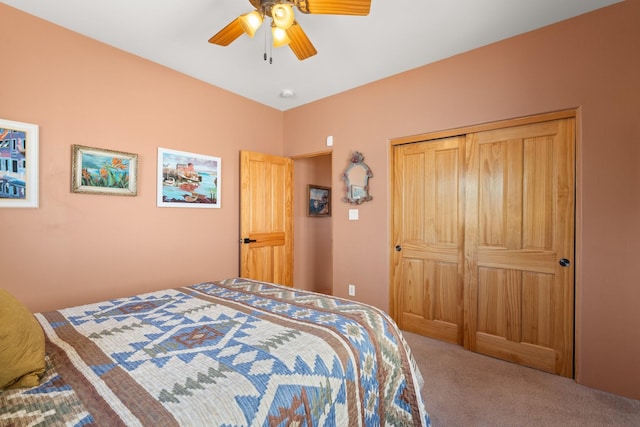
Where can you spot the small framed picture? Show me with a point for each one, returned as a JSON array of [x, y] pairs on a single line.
[[18, 165], [319, 201], [101, 171], [188, 180]]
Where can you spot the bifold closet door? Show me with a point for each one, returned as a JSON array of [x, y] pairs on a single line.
[[519, 244], [428, 236]]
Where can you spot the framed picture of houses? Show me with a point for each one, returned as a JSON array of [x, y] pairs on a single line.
[[102, 171], [188, 180], [18, 164]]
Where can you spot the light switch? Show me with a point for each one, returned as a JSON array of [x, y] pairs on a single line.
[[329, 141], [353, 214]]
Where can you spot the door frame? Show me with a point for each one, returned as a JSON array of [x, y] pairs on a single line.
[[554, 115], [301, 254]]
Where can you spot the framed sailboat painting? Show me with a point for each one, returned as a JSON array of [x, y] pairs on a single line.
[[188, 180]]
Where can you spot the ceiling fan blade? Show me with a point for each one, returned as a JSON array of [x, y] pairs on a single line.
[[335, 7], [300, 43], [228, 34]]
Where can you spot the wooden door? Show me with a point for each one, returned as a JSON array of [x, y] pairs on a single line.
[[519, 226], [428, 238], [266, 218]]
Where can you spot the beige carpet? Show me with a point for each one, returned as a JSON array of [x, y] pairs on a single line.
[[463, 388]]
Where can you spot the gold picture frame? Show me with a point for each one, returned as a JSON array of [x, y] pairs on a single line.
[[102, 171]]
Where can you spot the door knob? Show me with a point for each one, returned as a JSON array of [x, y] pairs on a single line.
[[248, 240], [398, 248], [565, 262]]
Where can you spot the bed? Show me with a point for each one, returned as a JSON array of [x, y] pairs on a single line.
[[235, 352]]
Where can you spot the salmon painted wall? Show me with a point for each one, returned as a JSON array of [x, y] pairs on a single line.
[[591, 62], [79, 248]]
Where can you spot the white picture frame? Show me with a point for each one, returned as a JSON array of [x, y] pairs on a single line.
[[188, 180], [19, 164]]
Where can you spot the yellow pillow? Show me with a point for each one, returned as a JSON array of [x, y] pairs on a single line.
[[21, 345]]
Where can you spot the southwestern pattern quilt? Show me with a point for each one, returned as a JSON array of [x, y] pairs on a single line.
[[235, 352]]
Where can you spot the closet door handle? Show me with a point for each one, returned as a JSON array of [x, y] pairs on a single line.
[[565, 262], [398, 248], [248, 240]]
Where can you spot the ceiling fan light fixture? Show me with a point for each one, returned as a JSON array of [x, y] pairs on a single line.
[[282, 15], [280, 37], [250, 22], [285, 30]]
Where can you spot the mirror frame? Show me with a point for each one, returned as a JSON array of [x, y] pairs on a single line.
[[357, 160]]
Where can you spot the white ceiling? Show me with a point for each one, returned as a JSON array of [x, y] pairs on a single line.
[[398, 35]]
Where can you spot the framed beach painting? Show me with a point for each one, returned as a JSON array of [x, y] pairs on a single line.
[[188, 180], [102, 171], [18, 164], [319, 201]]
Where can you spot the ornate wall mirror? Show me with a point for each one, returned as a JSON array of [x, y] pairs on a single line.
[[356, 177]]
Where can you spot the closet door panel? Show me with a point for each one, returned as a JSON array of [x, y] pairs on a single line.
[[428, 236], [519, 224]]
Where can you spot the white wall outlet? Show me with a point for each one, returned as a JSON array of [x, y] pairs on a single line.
[[352, 290], [353, 214]]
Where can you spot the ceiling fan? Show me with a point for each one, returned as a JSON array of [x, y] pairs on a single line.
[[284, 28]]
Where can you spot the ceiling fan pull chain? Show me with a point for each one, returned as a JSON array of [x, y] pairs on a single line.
[[270, 49], [265, 45]]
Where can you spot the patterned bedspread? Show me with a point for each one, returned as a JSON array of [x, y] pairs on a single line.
[[230, 353]]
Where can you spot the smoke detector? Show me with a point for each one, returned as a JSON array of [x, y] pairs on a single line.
[[287, 93]]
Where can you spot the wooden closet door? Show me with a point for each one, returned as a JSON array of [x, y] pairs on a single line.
[[519, 226], [427, 295]]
